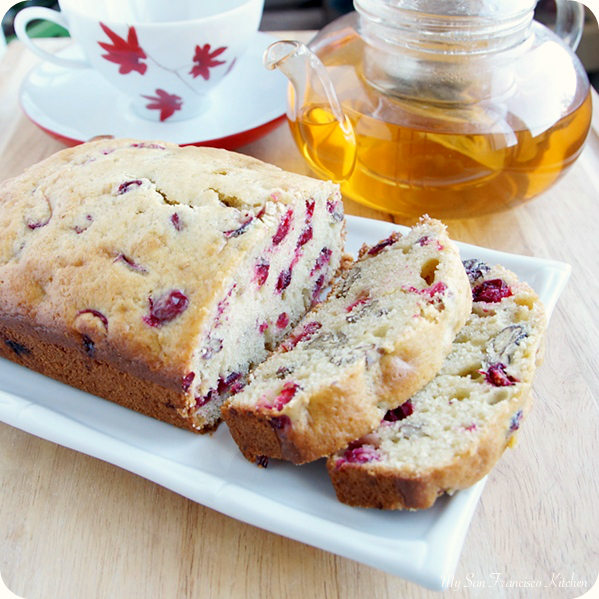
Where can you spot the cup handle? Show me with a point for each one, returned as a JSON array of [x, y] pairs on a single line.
[[25, 16], [569, 22]]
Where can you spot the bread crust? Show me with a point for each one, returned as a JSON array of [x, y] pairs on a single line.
[[96, 375], [259, 433]]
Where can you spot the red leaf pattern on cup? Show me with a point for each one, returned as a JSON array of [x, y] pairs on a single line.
[[167, 103], [204, 60], [126, 53]]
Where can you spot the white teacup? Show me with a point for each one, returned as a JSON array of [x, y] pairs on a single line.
[[166, 55]]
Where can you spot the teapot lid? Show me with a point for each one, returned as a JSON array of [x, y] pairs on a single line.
[[455, 26], [453, 8]]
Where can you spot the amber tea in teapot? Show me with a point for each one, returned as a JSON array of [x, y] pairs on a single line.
[[454, 124]]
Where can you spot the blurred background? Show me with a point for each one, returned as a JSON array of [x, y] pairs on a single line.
[[315, 14]]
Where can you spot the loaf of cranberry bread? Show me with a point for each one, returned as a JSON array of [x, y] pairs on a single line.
[[452, 432], [155, 276], [382, 333]]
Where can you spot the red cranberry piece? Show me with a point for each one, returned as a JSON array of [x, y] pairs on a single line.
[[240, 230], [280, 422], [400, 413], [127, 185], [426, 240], [305, 236], [317, 288], [379, 247], [310, 205], [283, 281], [166, 308], [284, 227], [361, 455], [435, 289], [262, 327], [297, 254], [303, 335], [202, 401], [230, 384], [225, 384], [187, 381], [38, 224], [261, 273], [498, 377], [363, 298], [236, 387], [176, 221], [431, 291], [286, 395], [491, 291], [222, 306], [282, 320], [323, 259], [130, 263]]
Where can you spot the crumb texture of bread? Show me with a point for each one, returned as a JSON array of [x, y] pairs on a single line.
[[451, 433], [381, 335], [179, 266]]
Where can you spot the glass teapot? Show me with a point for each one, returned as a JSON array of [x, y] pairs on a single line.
[[453, 108]]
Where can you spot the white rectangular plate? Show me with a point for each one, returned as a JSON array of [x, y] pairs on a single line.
[[297, 502]]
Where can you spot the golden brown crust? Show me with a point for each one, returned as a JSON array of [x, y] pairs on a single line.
[[247, 427], [75, 367], [259, 433], [410, 366]]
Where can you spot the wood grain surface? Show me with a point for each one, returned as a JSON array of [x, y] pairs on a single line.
[[73, 527]]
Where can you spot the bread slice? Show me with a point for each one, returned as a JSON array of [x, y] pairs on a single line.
[[156, 276], [381, 335], [452, 432]]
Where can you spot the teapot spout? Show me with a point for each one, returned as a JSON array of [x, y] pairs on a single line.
[[322, 131]]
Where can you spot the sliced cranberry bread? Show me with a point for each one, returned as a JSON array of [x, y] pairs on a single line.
[[156, 276], [452, 432], [382, 334]]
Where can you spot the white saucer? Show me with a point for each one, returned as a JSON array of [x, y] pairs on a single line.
[[75, 105]]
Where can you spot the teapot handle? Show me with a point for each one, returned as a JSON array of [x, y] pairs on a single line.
[[569, 22]]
